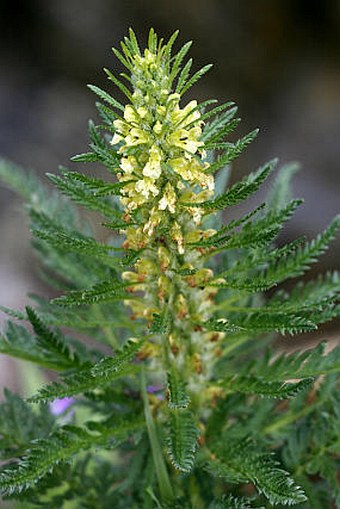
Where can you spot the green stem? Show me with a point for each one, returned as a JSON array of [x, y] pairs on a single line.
[[165, 487]]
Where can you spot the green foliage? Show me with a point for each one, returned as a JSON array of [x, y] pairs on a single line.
[[178, 395], [162, 335], [104, 291], [19, 424], [230, 502], [91, 377], [239, 191], [83, 194], [252, 385], [182, 440], [242, 461], [61, 445]]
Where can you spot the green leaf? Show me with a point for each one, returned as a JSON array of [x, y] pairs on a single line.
[[82, 195], [98, 186], [106, 97], [178, 395], [282, 323], [160, 323], [195, 78], [86, 157], [17, 342], [214, 142], [122, 59], [177, 60], [19, 424], [239, 191], [217, 125], [83, 245], [297, 264], [230, 502], [168, 48], [241, 461], [182, 440], [220, 120], [101, 292], [44, 454], [309, 363], [254, 234], [119, 84], [51, 342], [106, 113], [183, 76], [291, 264], [261, 387], [283, 263], [232, 150], [90, 378], [220, 325]]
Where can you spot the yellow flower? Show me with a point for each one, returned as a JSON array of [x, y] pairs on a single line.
[[192, 171], [186, 140], [153, 221], [168, 200], [146, 187], [128, 164], [130, 115], [157, 128], [178, 115], [153, 166], [135, 137], [176, 235], [121, 127]]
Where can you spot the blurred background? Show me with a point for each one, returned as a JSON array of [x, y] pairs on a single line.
[[278, 60]]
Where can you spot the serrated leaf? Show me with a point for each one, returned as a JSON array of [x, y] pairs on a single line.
[[220, 325], [86, 157], [274, 389], [83, 196], [18, 342], [195, 78], [101, 292], [106, 97], [44, 454], [91, 377], [230, 502], [284, 263], [177, 60], [232, 151], [241, 461], [98, 186], [178, 395], [119, 84], [239, 191], [160, 323], [182, 440], [51, 341]]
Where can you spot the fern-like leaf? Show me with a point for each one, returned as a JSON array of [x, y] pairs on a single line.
[[43, 455], [178, 395], [105, 291], [182, 440], [239, 191], [261, 387], [240, 461], [91, 377]]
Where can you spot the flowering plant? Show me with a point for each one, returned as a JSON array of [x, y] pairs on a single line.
[[185, 401]]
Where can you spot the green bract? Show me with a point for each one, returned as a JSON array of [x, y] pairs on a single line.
[[184, 381]]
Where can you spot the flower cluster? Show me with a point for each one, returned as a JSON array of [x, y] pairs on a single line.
[[164, 169], [171, 164]]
